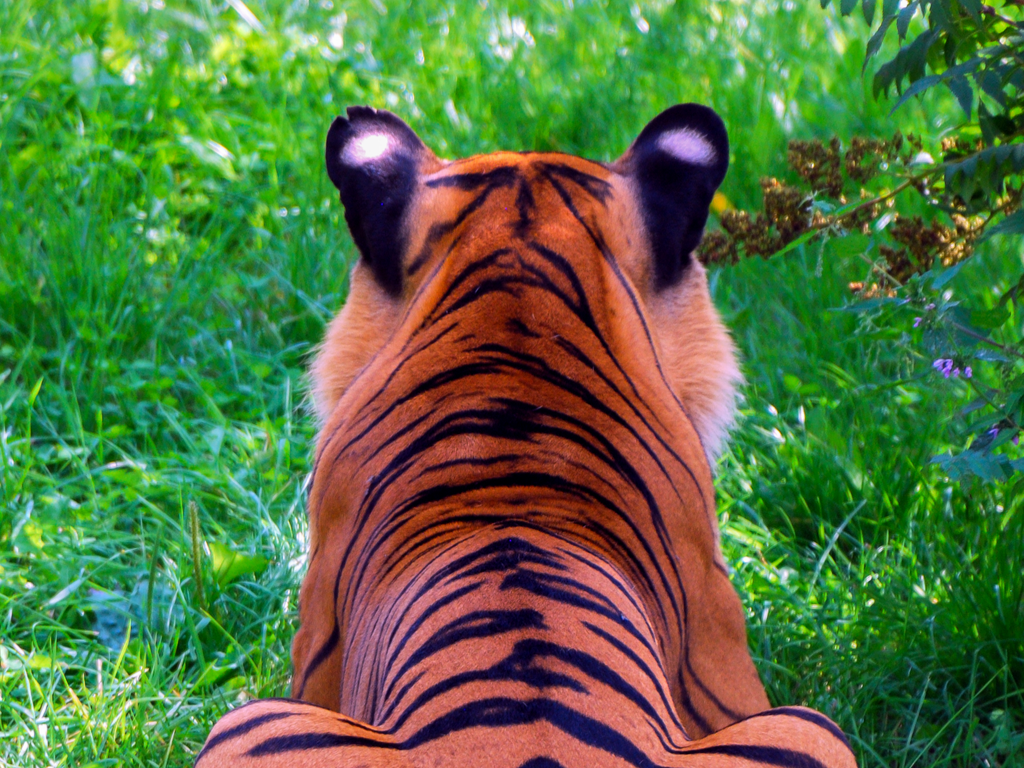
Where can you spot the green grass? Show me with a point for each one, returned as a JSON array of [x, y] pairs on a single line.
[[170, 249]]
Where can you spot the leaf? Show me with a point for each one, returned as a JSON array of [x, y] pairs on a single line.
[[1011, 225], [918, 86], [908, 63], [889, 8], [961, 88], [939, 279], [993, 86], [990, 355], [973, 7], [35, 393], [795, 243], [987, 466], [1014, 293], [1004, 124], [988, 319], [903, 21], [975, 405], [869, 304], [988, 133], [229, 565], [846, 6], [851, 245], [986, 170], [939, 16], [953, 73], [883, 78], [868, 8], [876, 40]]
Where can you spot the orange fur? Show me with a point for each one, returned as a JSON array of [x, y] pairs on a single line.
[[514, 554], [697, 354]]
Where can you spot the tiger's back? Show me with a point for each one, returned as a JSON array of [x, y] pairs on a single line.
[[514, 552]]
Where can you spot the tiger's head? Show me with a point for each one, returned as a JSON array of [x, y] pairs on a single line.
[[626, 230]]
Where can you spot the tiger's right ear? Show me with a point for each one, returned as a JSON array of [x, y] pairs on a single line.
[[375, 159], [676, 164]]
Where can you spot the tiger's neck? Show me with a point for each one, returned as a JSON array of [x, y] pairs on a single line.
[[511, 625], [525, 428]]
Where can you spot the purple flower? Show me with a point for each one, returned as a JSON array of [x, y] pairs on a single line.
[[944, 365], [993, 432], [968, 372], [930, 307], [917, 321]]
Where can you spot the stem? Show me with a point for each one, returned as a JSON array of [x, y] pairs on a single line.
[[1001, 347], [876, 268], [988, 400], [883, 198]]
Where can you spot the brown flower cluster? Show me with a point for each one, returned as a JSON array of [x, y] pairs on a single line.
[[954, 147], [818, 165], [788, 212], [919, 244], [787, 215]]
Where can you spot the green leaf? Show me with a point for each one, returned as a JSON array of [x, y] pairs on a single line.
[[1015, 293], [988, 131], [988, 319], [903, 21], [795, 244], [956, 73], [889, 7], [868, 8], [973, 7], [984, 171], [883, 79], [1011, 225], [987, 466], [939, 16], [993, 86], [229, 565], [876, 40], [961, 88], [35, 392], [908, 63], [939, 279], [846, 6], [869, 304], [990, 356], [918, 86], [851, 245]]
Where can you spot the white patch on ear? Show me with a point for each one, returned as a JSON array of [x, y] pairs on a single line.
[[365, 148], [688, 145]]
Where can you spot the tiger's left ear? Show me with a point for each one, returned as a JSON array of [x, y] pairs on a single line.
[[676, 164]]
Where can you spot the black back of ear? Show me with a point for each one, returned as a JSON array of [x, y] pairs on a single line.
[[677, 163], [373, 158]]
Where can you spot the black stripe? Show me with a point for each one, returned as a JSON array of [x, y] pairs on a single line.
[[811, 717]]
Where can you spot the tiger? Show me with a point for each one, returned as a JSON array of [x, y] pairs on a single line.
[[514, 555]]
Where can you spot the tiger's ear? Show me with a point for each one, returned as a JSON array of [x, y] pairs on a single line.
[[374, 159], [676, 163]]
